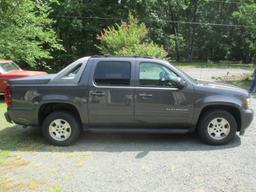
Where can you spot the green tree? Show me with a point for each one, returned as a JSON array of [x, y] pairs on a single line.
[[180, 26], [26, 32], [157, 14], [79, 22], [188, 20], [247, 16], [127, 39]]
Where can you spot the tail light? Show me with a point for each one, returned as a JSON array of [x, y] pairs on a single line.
[[8, 95]]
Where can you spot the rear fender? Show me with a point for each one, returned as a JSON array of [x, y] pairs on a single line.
[[62, 99]]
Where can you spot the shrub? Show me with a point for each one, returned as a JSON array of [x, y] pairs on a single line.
[[129, 39]]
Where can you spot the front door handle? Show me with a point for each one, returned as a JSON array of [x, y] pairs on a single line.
[[97, 93], [145, 95]]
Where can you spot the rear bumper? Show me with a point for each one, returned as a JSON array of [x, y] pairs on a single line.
[[21, 116], [7, 117], [246, 119]]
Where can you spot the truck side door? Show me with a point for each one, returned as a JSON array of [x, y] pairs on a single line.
[[111, 94], [159, 102]]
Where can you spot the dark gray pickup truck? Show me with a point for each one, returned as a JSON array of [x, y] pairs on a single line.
[[127, 94]]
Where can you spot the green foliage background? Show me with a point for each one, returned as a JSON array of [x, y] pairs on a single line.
[[128, 39], [34, 32], [26, 32]]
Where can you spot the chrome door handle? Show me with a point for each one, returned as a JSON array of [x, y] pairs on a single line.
[[145, 95]]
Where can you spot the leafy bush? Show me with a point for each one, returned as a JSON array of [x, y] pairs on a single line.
[[128, 39], [26, 31]]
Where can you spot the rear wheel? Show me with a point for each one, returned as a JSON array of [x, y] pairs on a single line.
[[217, 127], [61, 128]]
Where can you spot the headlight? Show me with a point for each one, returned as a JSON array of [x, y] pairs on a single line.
[[248, 103]]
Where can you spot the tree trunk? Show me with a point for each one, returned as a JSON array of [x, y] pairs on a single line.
[[175, 32], [192, 30]]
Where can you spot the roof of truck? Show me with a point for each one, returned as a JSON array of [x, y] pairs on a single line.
[[115, 56], [111, 57]]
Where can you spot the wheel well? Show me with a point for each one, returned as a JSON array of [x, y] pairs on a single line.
[[232, 110], [48, 108]]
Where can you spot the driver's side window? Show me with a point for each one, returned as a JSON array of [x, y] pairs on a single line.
[[156, 75]]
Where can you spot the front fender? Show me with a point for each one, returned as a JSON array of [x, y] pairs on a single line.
[[215, 100]]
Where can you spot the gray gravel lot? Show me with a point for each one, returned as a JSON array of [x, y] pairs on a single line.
[[137, 162], [130, 162], [210, 73]]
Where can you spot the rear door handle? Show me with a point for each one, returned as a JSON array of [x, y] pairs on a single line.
[[97, 93], [145, 95]]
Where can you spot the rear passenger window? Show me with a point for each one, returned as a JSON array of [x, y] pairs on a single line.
[[116, 73]]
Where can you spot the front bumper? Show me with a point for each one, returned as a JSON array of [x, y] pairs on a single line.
[[246, 119], [7, 117]]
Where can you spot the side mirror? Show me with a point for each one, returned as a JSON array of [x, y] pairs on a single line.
[[181, 83]]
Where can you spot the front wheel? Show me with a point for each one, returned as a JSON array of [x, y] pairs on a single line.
[[61, 128], [217, 127]]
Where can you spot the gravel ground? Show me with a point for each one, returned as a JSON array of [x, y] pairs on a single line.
[[121, 162], [210, 73], [134, 162]]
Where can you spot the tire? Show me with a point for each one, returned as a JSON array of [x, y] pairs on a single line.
[[61, 128], [217, 127]]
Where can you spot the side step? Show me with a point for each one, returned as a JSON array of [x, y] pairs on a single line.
[[137, 130]]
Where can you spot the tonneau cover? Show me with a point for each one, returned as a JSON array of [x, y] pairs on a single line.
[[41, 79]]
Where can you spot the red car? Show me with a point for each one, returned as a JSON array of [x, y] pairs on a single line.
[[10, 70]]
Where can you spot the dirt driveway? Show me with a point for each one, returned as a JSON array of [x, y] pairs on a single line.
[[126, 162]]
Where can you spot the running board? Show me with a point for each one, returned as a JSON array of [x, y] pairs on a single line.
[[137, 130]]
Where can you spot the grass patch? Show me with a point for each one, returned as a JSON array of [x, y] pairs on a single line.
[[3, 153], [3, 156], [213, 65], [56, 189], [10, 184], [3, 122], [14, 138], [241, 83]]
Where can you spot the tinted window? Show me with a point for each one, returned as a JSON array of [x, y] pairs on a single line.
[[72, 74], [156, 75], [117, 73]]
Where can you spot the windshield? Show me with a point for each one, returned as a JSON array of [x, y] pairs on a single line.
[[10, 66]]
